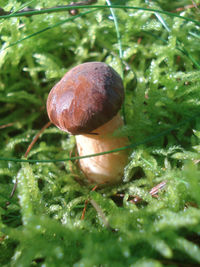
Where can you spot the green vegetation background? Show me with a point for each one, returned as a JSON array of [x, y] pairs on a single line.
[[157, 55]]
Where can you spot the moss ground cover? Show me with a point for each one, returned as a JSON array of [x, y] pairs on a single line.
[[157, 53]]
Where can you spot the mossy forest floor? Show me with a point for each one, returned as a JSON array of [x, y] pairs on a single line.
[[155, 47]]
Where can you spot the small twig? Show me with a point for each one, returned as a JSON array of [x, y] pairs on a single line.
[[153, 192], [8, 124], [194, 5], [49, 10], [84, 210], [36, 138], [86, 203], [12, 192], [100, 213], [196, 161], [26, 154]]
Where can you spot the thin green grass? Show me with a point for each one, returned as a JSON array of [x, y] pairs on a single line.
[[57, 9], [46, 29], [130, 146]]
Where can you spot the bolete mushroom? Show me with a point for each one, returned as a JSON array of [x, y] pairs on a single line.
[[86, 103]]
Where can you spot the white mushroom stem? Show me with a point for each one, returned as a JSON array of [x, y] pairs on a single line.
[[108, 168]]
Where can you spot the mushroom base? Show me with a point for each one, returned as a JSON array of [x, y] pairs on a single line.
[[108, 168]]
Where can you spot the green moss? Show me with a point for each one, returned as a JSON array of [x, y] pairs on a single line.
[[160, 66]]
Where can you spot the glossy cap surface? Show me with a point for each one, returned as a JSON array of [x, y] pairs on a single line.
[[88, 96]]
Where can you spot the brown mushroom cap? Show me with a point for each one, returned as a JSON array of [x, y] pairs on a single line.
[[88, 96]]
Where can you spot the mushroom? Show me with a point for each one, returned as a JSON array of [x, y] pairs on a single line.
[[86, 103]]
